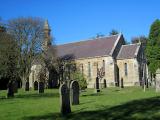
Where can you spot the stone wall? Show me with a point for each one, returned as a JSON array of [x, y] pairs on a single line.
[[109, 70], [132, 77]]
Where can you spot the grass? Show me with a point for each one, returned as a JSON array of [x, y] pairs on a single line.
[[130, 103]]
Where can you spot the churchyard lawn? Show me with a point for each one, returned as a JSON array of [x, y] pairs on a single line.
[[129, 103]]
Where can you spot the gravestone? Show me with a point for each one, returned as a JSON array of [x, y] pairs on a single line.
[[41, 87], [97, 85], [64, 99], [15, 86], [35, 85], [105, 83], [158, 80], [27, 86], [10, 89], [122, 84], [74, 92]]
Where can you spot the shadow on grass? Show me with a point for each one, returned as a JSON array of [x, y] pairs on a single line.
[[144, 109], [37, 95]]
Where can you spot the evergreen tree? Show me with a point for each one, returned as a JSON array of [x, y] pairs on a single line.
[[153, 47]]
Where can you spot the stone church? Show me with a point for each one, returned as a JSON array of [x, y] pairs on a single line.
[[107, 55]]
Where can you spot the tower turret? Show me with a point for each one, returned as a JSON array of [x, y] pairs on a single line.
[[47, 37]]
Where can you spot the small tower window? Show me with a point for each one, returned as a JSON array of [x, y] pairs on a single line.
[[125, 69]]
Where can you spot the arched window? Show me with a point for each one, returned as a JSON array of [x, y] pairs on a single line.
[[89, 69], [125, 69], [104, 66], [82, 68]]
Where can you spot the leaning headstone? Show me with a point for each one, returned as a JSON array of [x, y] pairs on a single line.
[[27, 86], [64, 99], [35, 85], [74, 92], [97, 85], [122, 84], [10, 89], [41, 87]]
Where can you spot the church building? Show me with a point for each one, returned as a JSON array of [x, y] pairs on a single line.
[[108, 56]]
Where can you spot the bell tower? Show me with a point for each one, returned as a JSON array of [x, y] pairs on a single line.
[[47, 37]]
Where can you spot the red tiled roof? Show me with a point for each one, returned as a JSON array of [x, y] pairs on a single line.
[[90, 48], [128, 51]]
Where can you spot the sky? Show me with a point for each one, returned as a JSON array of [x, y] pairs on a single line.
[[76, 20]]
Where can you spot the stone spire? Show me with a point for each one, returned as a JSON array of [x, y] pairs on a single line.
[[47, 37]]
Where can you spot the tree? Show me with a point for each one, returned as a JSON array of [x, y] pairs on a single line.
[[28, 33], [113, 32], [8, 58], [140, 39], [153, 47]]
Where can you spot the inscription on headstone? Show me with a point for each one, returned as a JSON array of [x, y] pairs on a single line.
[[74, 92]]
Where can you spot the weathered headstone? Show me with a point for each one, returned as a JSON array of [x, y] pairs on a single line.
[[64, 99], [74, 92], [27, 86], [15, 86], [97, 85], [35, 85], [10, 89], [158, 80], [105, 83], [122, 84], [41, 87]]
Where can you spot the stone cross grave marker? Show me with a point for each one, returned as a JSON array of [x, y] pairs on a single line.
[[35, 85], [74, 92], [41, 87], [64, 99]]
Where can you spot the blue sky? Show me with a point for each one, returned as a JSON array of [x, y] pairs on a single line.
[[74, 20]]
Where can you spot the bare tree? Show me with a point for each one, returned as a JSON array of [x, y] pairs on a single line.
[[28, 32]]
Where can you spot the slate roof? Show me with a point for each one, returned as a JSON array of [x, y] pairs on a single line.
[[128, 51], [90, 48]]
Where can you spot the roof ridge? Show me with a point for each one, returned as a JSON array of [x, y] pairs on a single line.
[[131, 44], [89, 40]]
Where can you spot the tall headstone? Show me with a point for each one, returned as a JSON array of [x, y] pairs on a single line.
[[74, 92], [15, 86], [35, 85], [41, 87], [64, 99], [10, 89], [97, 85], [27, 86], [122, 83], [105, 83], [158, 80]]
